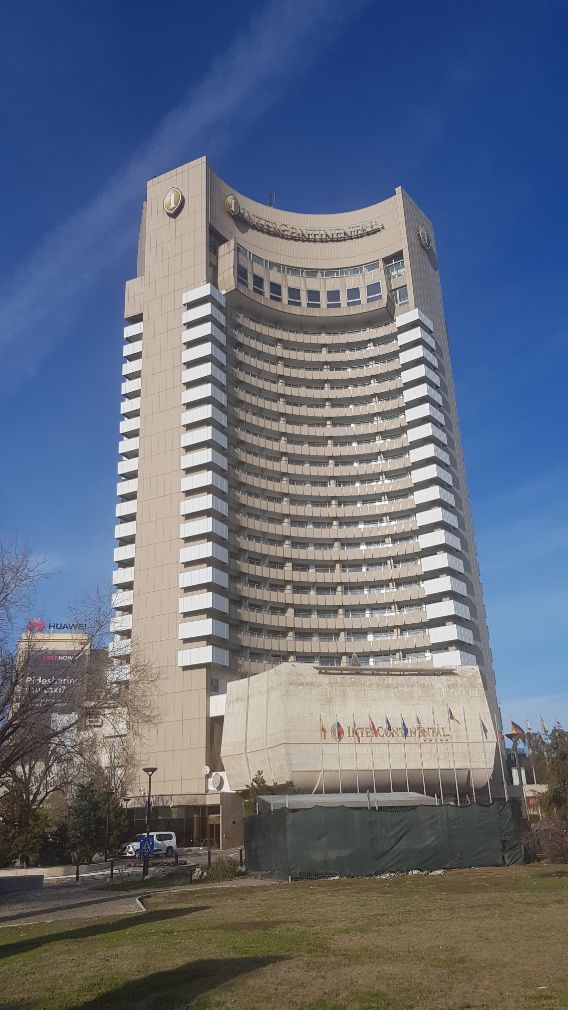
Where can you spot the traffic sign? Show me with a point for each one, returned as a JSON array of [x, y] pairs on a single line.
[[147, 846]]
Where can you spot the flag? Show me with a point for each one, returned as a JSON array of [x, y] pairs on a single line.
[[388, 726], [543, 726], [372, 727], [356, 733], [404, 727], [516, 730], [337, 732], [421, 730], [557, 724], [528, 726], [500, 727], [452, 717], [323, 729], [484, 729]]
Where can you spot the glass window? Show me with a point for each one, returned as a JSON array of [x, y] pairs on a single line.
[[275, 291], [242, 274], [369, 267], [313, 299], [373, 291], [258, 284], [400, 295], [394, 265], [353, 296], [294, 296], [333, 299]]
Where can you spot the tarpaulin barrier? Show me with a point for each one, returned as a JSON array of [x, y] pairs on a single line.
[[343, 841]]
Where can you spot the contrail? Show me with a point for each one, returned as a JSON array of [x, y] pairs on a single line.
[[41, 300]]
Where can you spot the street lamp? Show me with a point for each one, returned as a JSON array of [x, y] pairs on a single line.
[[149, 773]]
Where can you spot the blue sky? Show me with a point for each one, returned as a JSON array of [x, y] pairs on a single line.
[[329, 105]]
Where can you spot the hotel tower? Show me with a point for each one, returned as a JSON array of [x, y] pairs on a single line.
[[291, 480]]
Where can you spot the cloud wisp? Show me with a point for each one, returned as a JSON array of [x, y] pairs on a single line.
[[41, 300]]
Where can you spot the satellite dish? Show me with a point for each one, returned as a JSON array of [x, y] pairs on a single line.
[[216, 781], [205, 770]]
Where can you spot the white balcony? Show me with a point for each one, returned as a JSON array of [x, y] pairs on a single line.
[[431, 472], [125, 553], [206, 370], [453, 657], [123, 576], [124, 530], [204, 551], [204, 478], [205, 412], [204, 434], [434, 493], [130, 425], [132, 349], [129, 446], [200, 528], [201, 332], [133, 330], [439, 538], [433, 517], [130, 408], [127, 487], [203, 656], [121, 622], [419, 373], [414, 355], [424, 391], [202, 292], [217, 705], [130, 387], [208, 350], [450, 633], [201, 457], [199, 313], [425, 431], [122, 599], [126, 509], [207, 628], [435, 562], [208, 391], [128, 467], [206, 576], [447, 608], [204, 503], [429, 451], [132, 369], [424, 410], [197, 603], [416, 335], [120, 648], [443, 585], [119, 673], [414, 316]]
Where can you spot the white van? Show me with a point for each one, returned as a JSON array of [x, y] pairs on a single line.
[[165, 844]]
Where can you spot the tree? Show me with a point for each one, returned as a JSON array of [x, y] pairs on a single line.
[[555, 799], [92, 809], [260, 787]]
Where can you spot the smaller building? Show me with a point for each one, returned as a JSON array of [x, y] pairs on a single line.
[[429, 732]]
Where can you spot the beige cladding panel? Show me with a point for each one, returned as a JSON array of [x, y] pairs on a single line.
[[174, 260]]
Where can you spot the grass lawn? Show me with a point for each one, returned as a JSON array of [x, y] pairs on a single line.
[[489, 938]]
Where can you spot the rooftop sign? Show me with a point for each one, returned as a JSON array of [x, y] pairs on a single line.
[[233, 207]]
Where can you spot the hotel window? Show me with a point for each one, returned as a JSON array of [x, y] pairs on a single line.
[[313, 299], [394, 265], [275, 291], [333, 300], [353, 296], [242, 275], [400, 295], [294, 296], [258, 284], [373, 291]]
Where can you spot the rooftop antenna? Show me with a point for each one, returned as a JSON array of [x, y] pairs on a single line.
[[271, 199]]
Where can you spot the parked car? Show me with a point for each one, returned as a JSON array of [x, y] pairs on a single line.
[[165, 844]]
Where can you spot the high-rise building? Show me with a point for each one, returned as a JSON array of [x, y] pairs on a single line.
[[292, 484]]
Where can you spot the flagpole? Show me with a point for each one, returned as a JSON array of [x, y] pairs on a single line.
[[500, 758], [338, 752], [387, 731], [454, 760], [321, 749], [402, 723], [373, 758], [438, 756], [469, 755], [356, 761], [418, 730], [529, 745], [483, 729]]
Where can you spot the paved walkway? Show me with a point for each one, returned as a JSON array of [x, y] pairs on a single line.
[[64, 901]]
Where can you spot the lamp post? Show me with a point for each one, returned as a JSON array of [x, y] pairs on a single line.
[[149, 773]]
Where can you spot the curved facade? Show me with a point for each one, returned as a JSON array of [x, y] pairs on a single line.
[[292, 482]]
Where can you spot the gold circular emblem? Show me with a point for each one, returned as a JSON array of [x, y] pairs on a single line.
[[232, 205], [424, 237], [173, 201]]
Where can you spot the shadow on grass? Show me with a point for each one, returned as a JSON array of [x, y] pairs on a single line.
[[178, 987], [97, 928], [42, 907]]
